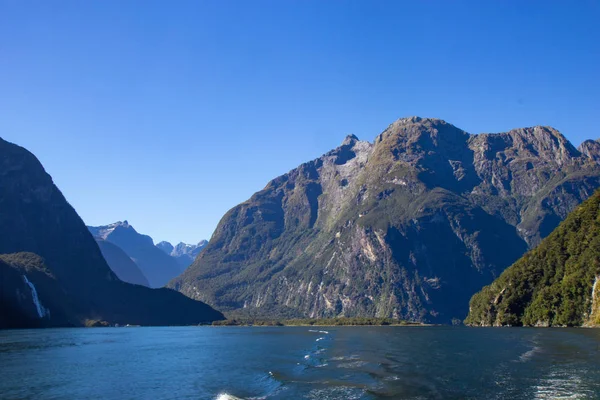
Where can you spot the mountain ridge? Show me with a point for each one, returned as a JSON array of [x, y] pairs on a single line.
[[184, 253], [356, 232]]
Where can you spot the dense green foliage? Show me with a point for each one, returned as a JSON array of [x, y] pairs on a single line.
[[552, 284]]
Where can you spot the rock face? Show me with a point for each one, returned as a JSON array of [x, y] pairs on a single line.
[[46, 246], [20, 298], [410, 226], [156, 266], [184, 253], [555, 284], [121, 264]]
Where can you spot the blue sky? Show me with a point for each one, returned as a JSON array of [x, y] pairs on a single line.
[[170, 113]]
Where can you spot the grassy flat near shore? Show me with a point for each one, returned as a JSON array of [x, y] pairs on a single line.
[[319, 322]]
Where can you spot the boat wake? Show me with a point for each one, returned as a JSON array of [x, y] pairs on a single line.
[[562, 385], [227, 396], [529, 354], [314, 357]]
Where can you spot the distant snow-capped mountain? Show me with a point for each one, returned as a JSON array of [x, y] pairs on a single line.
[[184, 253], [158, 267]]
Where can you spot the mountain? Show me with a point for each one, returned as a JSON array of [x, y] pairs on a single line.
[[555, 284], [184, 253], [121, 264], [165, 246], [50, 260], [409, 226], [156, 266]]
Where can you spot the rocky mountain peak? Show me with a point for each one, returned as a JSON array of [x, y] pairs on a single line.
[[183, 253], [165, 246], [188, 249], [102, 232], [350, 140], [414, 120], [545, 142], [590, 149], [350, 148], [421, 133]]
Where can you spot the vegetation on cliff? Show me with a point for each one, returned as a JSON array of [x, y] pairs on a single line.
[[555, 284]]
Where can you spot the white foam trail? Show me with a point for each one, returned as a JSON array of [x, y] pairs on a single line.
[[312, 330], [352, 357], [42, 312], [227, 396], [319, 339], [528, 354]]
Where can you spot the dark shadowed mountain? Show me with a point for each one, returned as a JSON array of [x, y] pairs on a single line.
[[121, 264], [158, 267], [21, 303], [185, 254], [409, 226], [555, 284], [52, 272]]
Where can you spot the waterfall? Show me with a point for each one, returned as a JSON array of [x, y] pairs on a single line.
[[42, 312], [594, 297]]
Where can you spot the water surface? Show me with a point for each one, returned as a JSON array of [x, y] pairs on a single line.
[[300, 363]]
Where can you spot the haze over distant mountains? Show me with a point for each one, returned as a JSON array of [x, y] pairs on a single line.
[[155, 263], [52, 272], [409, 226], [184, 253], [121, 264]]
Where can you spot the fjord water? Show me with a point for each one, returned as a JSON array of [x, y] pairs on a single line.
[[300, 363]]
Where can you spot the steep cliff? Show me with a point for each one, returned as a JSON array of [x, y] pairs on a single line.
[[410, 226]]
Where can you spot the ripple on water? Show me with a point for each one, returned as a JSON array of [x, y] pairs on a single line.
[[562, 385], [335, 393]]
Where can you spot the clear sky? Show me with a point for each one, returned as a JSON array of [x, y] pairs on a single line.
[[169, 113]]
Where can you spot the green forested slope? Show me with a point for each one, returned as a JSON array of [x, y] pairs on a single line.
[[552, 285]]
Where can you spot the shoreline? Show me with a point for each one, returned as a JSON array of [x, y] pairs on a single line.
[[325, 322]]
